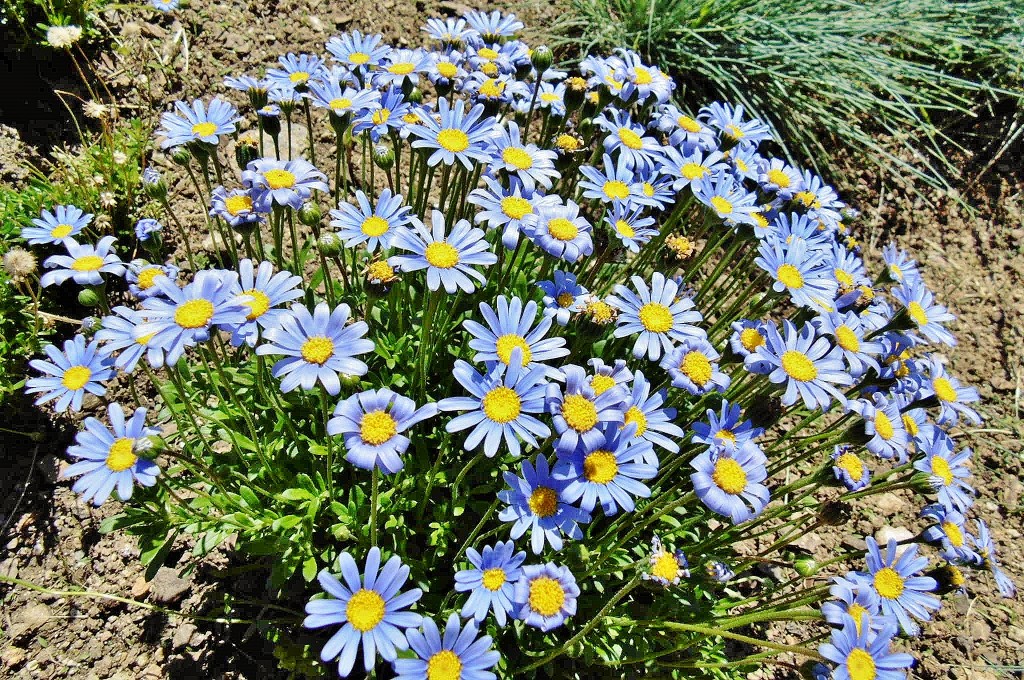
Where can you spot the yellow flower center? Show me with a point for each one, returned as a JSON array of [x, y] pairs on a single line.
[[259, 304], [489, 69], [692, 171], [642, 76], [630, 139], [860, 665], [616, 190], [697, 367], [317, 349], [507, 343], [688, 124], [635, 415], [579, 413], [87, 263], [955, 576], [441, 255], [549, 97], [515, 207], [852, 465], [600, 467], [790, 276], [487, 53], [491, 87], [562, 229], [377, 427], [656, 317], [204, 129], [381, 116], [447, 69], [144, 339], [279, 179], [941, 469], [910, 425], [358, 58], [61, 230], [543, 501], [365, 609], [734, 131], [883, 426], [741, 165], [341, 103], [798, 366], [779, 178], [380, 271], [647, 188], [120, 456], [517, 157], [944, 389], [751, 339], [729, 476], [847, 339], [857, 612], [147, 276], [721, 206], [502, 405], [808, 199], [567, 142], [238, 204], [888, 583], [602, 383], [402, 68], [445, 665], [565, 299], [624, 229], [953, 533], [194, 313], [453, 139], [666, 567], [917, 313], [726, 435], [374, 226], [299, 77], [601, 311], [76, 377], [844, 279], [494, 579], [546, 596]]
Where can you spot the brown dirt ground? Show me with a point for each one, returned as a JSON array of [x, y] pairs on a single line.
[[973, 260]]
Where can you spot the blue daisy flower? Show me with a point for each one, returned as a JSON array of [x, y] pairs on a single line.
[[80, 368], [683, 130], [667, 568], [693, 366], [508, 327], [500, 404], [263, 290], [368, 606], [181, 317], [560, 230], [850, 469], [387, 118], [490, 91], [630, 225], [688, 168], [545, 595], [448, 258], [606, 377], [459, 135], [197, 123], [613, 184], [883, 425], [255, 88], [610, 473], [507, 208], [653, 189], [849, 333], [927, 316], [578, 412], [856, 600], [317, 347], [724, 117], [527, 162], [865, 654], [951, 395], [657, 313], [947, 470], [550, 97], [899, 266], [372, 423], [904, 596], [779, 177], [446, 69], [297, 71], [84, 264], [109, 457], [806, 363], [399, 65], [645, 409], [986, 548], [118, 334], [341, 100], [460, 655], [448, 30], [642, 81], [234, 207], [724, 430], [747, 335], [356, 51], [141, 275], [628, 139], [491, 581], [66, 221], [146, 228], [949, 532], [563, 297], [804, 275], [729, 482], [494, 25], [727, 198], [282, 183], [536, 502], [374, 225]]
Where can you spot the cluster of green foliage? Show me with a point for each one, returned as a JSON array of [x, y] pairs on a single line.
[[885, 79]]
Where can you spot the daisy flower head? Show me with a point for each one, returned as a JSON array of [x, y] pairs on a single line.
[[947, 469], [560, 230], [457, 134], [655, 312], [178, 318], [735, 130], [928, 317], [788, 228], [399, 65], [234, 207], [612, 184], [141, 276], [84, 264], [263, 290], [197, 122], [80, 368], [493, 26], [951, 395], [508, 328], [372, 423], [341, 100], [459, 655], [693, 366], [630, 225], [802, 274], [949, 532], [369, 607], [849, 469], [724, 429], [545, 595], [855, 599], [490, 581], [448, 31], [551, 97], [653, 189], [899, 266], [864, 654], [146, 228], [282, 183], [730, 482], [297, 72], [446, 69], [66, 221], [448, 258], [536, 502], [727, 198], [530, 164], [883, 426], [685, 131], [109, 458], [611, 473], [653, 420], [578, 412], [807, 365], [507, 208], [317, 347], [904, 595], [628, 139], [666, 568], [747, 336], [372, 224], [779, 177], [606, 377], [388, 117], [358, 52], [563, 297], [257, 89], [643, 82], [986, 548], [744, 162], [490, 90], [117, 335], [849, 333]]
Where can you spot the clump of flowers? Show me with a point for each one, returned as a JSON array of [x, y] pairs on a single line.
[[522, 360]]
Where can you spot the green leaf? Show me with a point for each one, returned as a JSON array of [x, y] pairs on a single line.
[[248, 497], [309, 568], [156, 554], [286, 522], [294, 494]]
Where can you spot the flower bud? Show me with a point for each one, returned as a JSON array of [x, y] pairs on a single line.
[[541, 58], [90, 324], [310, 214], [416, 96], [329, 244], [91, 296], [246, 151], [806, 566], [181, 155], [383, 156]]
